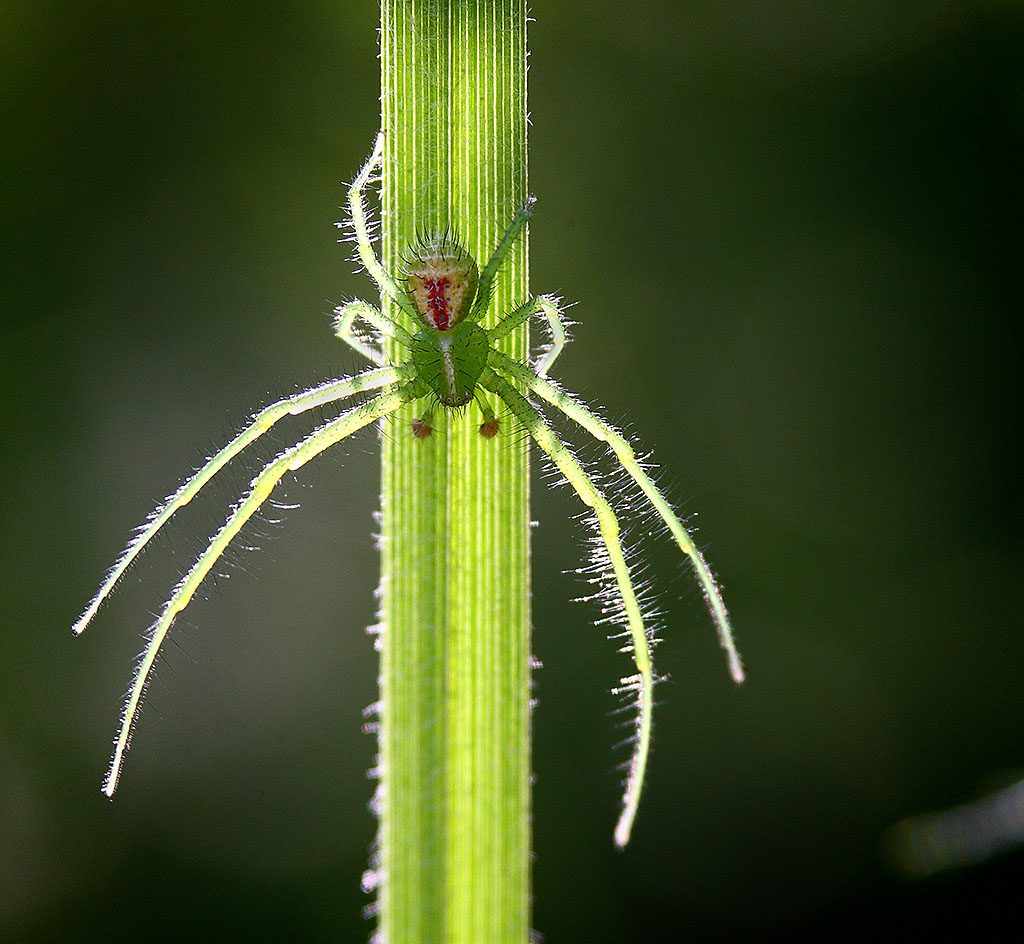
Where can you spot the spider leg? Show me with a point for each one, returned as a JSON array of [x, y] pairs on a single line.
[[608, 524], [344, 327], [364, 244], [259, 491], [547, 305], [599, 429], [483, 291], [261, 422]]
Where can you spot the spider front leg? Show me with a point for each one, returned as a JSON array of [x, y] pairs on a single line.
[[364, 243], [547, 305], [599, 429], [261, 422], [608, 524], [344, 327], [291, 460]]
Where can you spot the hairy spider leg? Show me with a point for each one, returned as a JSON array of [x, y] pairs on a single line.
[[291, 460], [344, 327], [547, 305], [486, 283], [608, 524], [261, 422], [600, 430], [364, 244]]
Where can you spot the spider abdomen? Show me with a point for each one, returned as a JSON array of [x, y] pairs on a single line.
[[451, 363], [441, 280]]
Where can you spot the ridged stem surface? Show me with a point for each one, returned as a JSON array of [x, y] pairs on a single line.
[[454, 834]]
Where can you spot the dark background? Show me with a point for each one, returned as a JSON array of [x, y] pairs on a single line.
[[791, 230]]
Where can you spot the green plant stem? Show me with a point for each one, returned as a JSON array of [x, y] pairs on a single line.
[[454, 834]]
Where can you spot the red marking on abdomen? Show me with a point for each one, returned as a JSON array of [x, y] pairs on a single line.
[[437, 302]]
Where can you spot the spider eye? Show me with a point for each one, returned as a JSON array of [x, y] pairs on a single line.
[[441, 280]]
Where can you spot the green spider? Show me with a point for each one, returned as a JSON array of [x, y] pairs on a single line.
[[450, 359]]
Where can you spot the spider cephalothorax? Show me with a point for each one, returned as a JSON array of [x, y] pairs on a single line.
[[452, 360]]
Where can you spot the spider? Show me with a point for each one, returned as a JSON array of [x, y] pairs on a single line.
[[450, 359]]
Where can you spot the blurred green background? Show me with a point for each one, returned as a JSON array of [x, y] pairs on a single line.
[[790, 229]]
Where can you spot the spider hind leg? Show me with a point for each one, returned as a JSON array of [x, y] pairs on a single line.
[[504, 247], [364, 241]]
